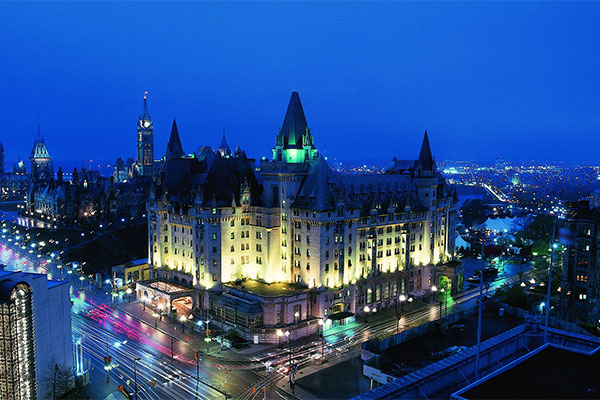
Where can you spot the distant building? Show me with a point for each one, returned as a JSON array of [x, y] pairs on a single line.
[[145, 142], [35, 333], [580, 281], [87, 198], [342, 241], [41, 163], [124, 171]]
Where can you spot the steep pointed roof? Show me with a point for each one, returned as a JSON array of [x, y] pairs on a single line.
[[145, 113], [174, 148], [39, 149], [224, 147], [425, 157], [316, 192], [294, 124]]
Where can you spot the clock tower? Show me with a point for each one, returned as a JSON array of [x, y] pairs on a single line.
[[145, 142]]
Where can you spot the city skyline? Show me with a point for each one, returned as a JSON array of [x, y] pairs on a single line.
[[502, 79]]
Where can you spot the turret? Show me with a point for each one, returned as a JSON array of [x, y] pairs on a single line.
[[294, 141]]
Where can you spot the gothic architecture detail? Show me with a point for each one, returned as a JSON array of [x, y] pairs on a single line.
[[41, 163], [145, 142], [216, 219]]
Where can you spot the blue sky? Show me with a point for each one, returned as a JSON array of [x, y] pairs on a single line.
[[519, 79]]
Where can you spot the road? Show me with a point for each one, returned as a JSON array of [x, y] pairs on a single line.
[[347, 343], [107, 330]]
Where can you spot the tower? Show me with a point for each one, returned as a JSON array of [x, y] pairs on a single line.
[[145, 142], [294, 141], [41, 163]]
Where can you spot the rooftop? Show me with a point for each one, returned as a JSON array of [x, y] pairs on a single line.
[[552, 372], [268, 289]]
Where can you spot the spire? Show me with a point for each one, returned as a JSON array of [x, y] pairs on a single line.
[[294, 124], [425, 157], [145, 113], [174, 148], [38, 135], [224, 147]]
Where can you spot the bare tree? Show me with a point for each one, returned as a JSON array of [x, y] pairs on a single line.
[[59, 379]]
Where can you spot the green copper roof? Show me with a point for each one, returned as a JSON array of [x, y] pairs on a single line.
[[294, 124]]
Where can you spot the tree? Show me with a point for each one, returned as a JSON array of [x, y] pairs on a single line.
[[59, 379]]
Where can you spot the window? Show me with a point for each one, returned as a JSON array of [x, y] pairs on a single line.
[[232, 235], [258, 247], [232, 248], [326, 267], [232, 222], [214, 236]]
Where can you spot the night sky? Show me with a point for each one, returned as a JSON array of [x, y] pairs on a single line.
[[519, 80]]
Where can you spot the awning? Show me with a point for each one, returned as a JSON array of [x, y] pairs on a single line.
[[340, 315]]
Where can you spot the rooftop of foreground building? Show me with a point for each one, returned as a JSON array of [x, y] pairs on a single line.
[[264, 289]]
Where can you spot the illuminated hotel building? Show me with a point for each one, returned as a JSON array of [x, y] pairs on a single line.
[[338, 241], [35, 333]]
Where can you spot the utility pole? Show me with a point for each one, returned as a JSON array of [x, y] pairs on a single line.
[[480, 306], [197, 371], [549, 283], [135, 360]]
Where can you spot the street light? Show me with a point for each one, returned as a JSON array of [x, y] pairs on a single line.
[[367, 310], [399, 304], [81, 278], [321, 334], [279, 334], [443, 292], [183, 319], [135, 360], [155, 315], [128, 292]]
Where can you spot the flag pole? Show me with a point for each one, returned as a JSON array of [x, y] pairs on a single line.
[[549, 283]]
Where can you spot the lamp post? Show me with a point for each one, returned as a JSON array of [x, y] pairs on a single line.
[[399, 310], [279, 334], [183, 319], [322, 336], [81, 279], [434, 289], [207, 337], [443, 292], [155, 315], [135, 360], [367, 310], [128, 292]]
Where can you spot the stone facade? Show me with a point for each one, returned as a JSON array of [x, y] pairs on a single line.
[[219, 218]]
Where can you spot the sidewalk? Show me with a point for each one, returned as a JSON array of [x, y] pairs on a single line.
[[195, 337], [98, 388]]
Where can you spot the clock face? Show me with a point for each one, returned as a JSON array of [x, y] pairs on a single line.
[[146, 124]]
